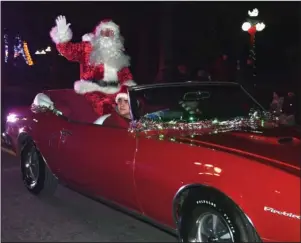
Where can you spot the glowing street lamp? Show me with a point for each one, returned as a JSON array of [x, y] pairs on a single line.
[[253, 13], [252, 25]]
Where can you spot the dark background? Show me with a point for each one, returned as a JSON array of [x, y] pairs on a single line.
[[193, 33]]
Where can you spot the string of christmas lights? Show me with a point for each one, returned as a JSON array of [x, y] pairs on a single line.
[[253, 122], [6, 48], [27, 54], [18, 48], [253, 55]]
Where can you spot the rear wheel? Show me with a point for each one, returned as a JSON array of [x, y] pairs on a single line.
[[210, 226], [36, 176], [214, 219]]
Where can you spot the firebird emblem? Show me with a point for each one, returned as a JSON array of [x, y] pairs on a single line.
[[282, 213]]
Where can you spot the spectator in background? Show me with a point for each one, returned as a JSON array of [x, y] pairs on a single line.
[[223, 69], [201, 75], [290, 103], [181, 74], [165, 74], [289, 112], [276, 104]]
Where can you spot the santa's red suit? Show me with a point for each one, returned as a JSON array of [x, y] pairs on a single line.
[[104, 66]]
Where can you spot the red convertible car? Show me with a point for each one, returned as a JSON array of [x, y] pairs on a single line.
[[202, 160]]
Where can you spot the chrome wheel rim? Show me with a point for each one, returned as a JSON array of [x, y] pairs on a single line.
[[31, 169], [211, 227]]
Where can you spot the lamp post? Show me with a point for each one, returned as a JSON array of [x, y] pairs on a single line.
[[252, 25]]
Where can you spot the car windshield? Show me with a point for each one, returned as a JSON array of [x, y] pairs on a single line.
[[190, 103]]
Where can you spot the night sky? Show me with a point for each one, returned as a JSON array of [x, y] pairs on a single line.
[[201, 30]]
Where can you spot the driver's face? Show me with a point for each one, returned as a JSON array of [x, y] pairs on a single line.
[[123, 107]]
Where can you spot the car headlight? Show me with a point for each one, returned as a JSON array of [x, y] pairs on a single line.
[[12, 118]]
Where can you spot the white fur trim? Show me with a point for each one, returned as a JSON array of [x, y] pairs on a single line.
[[129, 83], [101, 119], [122, 96], [43, 100], [109, 25], [87, 37], [83, 87], [58, 37], [110, 73]]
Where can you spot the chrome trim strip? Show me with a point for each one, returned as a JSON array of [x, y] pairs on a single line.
[[182, 84]]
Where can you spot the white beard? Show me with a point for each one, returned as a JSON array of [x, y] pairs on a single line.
[[108, 51]]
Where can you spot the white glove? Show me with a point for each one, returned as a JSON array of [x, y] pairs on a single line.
[[43, 100], [61, 24], [61, 33]]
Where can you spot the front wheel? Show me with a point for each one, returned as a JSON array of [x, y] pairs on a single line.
[[36, 176]]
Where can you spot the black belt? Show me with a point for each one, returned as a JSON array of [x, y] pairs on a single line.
[[102, 83]]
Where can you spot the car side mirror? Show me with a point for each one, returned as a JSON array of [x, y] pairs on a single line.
[[42, 103]]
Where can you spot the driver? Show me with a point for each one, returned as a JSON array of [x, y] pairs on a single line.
[[191, 107], [121, 117]]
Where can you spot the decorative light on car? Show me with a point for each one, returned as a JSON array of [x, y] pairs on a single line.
[[191, 118], [215, 121], [205, 126]]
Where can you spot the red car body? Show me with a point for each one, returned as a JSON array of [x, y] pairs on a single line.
[[145, 172]]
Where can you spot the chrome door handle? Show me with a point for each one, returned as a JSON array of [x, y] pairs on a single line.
[[66, 133]]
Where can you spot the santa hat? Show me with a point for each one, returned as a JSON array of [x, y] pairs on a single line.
[[123, 94], [107, 24]]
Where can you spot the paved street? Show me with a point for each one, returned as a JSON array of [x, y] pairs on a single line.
[[66, 217]]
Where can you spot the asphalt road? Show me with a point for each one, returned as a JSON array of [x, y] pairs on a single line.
[[67, 217]]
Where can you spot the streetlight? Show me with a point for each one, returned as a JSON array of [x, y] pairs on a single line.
[[252, 25]]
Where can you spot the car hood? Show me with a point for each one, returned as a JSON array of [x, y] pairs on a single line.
[[279, 147]]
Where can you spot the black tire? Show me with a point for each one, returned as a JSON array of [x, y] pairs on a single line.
[[45, 183], [196, 210]]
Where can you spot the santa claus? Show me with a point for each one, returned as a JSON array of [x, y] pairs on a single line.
[[104, 65]]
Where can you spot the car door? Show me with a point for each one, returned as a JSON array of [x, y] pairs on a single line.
[[99, 160], [46, 133]]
